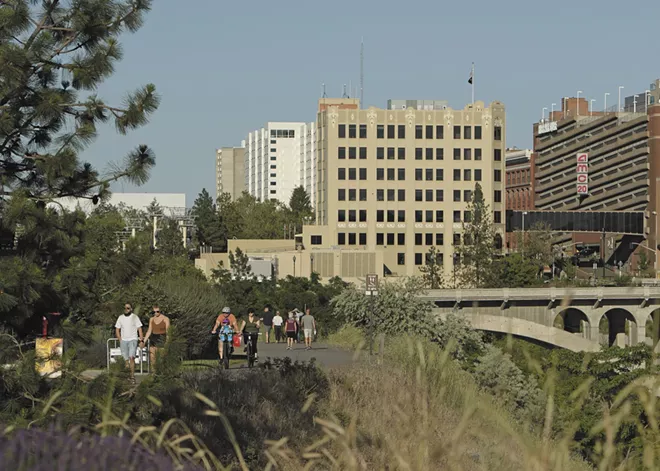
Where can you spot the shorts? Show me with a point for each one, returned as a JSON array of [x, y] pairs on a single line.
[[128, 348], [267, 328], [291, 334], [308, 333]]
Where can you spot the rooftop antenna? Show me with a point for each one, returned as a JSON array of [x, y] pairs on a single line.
[[325, 95], [350, 88], [344, 93], [362, 72]]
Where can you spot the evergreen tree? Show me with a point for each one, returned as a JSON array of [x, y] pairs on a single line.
[[432, 271], [208, 228], [476, 256], [169, 240]]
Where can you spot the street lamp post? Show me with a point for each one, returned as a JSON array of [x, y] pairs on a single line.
[[619, 108], [311, 264], [565, 106], [294, 266], [634, 103], [543, 113], [578, 103], [605, 103], [591, 102], [552, 110]]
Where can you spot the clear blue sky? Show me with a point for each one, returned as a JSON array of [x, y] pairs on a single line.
[[226, 68]]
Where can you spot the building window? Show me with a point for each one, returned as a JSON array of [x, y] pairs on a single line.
[[273, 175], [380, 195], [390, 238], [477, 154], [440, 239], [273, 141], [439, 153], [429, 174], [439, 195], [429, 153], [363, 174], [401, 215], [352, 153], [467, 175], [380, 174], [363, 195], [418, 174], [341, 194], [390, 195], [363, 215], [418, 259], [380, 131], [341, 153], [352, 174], [401, 153], [273, 192], [401, 258], [457, 216], [497, 133], [380, 215], [341, 238], [418, 216], [341, 173], [418, 131], [457, 241], [429, 238], [273, 158], [380, 239], [341, 215], [477, 132], [401, 195], [497, 156], [440, 132], [439, 215], [390, 153], [467, 196], [342, 131], [457, 174], [390, 131], [467, 132], [401, 131], [380, 153], [498, 175], [363, 153], [428, 215], [418, 195], [457, 132], [429, 132], [418, 153], [439, 174], [457, 196], [418, 239], [363, 131], [390, 174], [351, 238], [477, 174], [401, 174], [363, 238], [497, 197], [317, 240], [497, 219], [429, 195], [457, 154], [467, 154], [352, 216], [467, 216], [351, 195], [352, 131]]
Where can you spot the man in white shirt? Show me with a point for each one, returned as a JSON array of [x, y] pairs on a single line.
[[129, 330], [277, 323]]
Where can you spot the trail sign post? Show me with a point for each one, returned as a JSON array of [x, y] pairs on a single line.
[[372, 284], [371, 289]]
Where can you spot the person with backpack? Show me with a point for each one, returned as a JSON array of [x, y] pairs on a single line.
[[291, 329], [225, 314]]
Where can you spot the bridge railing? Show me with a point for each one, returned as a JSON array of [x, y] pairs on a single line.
[[497, 294]]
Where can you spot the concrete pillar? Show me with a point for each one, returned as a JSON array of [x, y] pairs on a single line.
[[620, 340], [594, 315], [641, 315], [584, 329]]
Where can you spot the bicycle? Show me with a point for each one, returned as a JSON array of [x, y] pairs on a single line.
[[250, 351], [226, 352]]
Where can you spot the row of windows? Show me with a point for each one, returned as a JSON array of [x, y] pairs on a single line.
[[400, 195], [421, 132], [391, 215], [464, 175], [421, 153], [289, 133]]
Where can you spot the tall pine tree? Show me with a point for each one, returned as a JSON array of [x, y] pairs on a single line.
[[209, 230]]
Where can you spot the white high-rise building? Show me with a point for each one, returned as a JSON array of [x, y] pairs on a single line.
[[279, 158]]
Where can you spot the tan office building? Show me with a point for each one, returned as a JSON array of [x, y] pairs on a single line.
[[392, 183], [230, 171]]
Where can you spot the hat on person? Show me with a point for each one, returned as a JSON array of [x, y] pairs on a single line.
[[226, 310]]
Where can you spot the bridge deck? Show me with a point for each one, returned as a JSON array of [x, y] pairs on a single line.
[[538, 294]]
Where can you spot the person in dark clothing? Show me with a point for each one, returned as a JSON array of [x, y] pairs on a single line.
[[267, 320], [250, 329]]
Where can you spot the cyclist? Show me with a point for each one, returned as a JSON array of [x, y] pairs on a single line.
[[226, 314], [226, 334], [250, 330]]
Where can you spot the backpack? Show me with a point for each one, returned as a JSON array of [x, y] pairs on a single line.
[[290, 325]]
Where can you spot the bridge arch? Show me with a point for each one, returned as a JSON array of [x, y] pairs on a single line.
[[652, 326], [574, 321], [619, 323]]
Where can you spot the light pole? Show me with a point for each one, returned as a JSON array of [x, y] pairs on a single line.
[[565, 106], [543, 113], [294, 266], [634, 103], [591, 102], [605, 103], [552, 110], [619, 108], [311, 264], [578, 103]]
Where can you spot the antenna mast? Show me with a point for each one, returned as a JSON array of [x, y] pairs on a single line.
[[362, 73], [344, 94], [325, 95]]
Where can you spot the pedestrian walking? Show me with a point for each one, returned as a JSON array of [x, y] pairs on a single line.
[[159, 325], [308, 324], [277, 324], [291, 329], [128, 330], [267, 320], [299, 315]]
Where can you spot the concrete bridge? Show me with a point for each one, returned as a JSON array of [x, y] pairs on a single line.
[[578, 319]]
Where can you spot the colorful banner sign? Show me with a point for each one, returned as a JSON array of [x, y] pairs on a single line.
[[582, 171], [49, 357]]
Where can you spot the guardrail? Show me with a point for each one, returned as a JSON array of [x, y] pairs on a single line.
[[543, 293], [142, 355]]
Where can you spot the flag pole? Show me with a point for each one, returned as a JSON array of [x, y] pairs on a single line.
[[472, 83]]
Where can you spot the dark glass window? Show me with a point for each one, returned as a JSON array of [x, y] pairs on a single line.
[[401, 153], [352, 152], [363, 131], [341, 238], [380, 131], [477, 132], [439, 153], [439, 195], [418, 131], [341, 173], [363, 153], [439, 132], [390, 174], [363, 195], [351, 195], [380, 153], [380, 174], [342, 131], [429, 132], [341, 194], [341, 153], [467, 132], [402, 131], [439, 174], [401, 195], [390, 131], [352, 131], [457, 132], [429, 153], [401, 174]]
